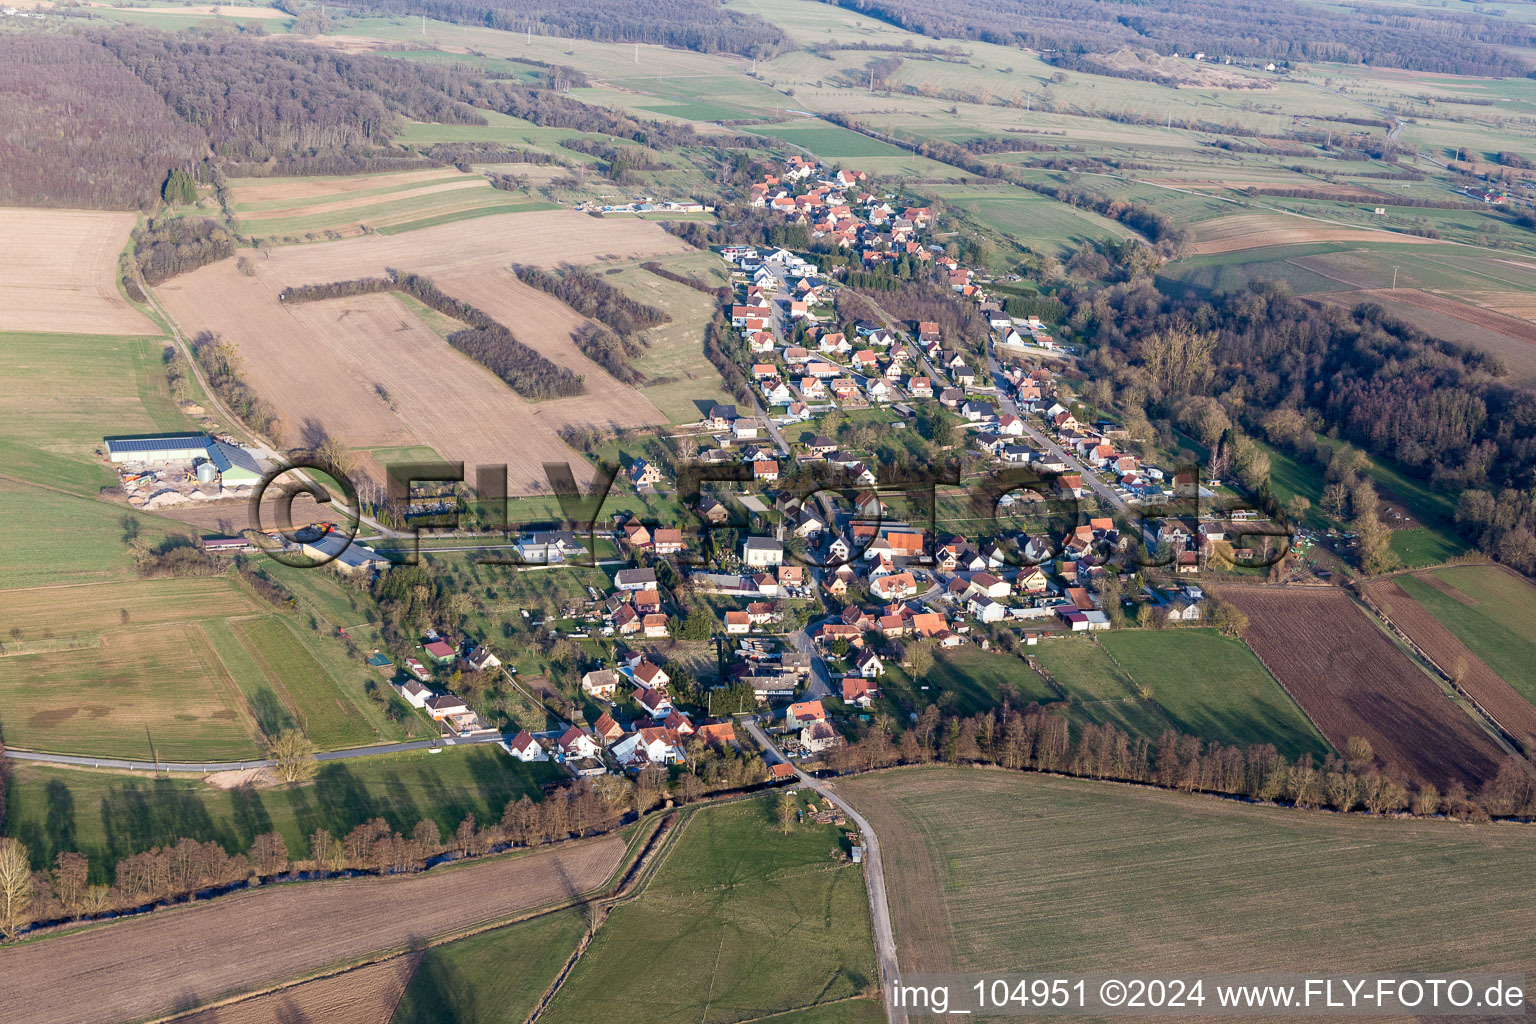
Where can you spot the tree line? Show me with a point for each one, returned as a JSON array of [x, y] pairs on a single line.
[[169, 246], [685, 24], [1424, 39], [483, 339], [1039, 739], [593, 298]]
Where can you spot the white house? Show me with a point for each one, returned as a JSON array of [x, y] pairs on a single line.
[[868, 665], [576, 744], [525, 748], [762, 552], [985, 609]]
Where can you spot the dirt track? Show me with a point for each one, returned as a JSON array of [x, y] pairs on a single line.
[[189, 956], [58, 272], [1352, 681]]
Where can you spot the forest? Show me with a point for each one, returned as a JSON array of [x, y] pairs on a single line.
[[1268, 360], [687, 24], [1418, 39], [100, 119]]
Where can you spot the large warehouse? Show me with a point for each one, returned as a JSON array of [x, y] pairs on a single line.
[[237, 467]]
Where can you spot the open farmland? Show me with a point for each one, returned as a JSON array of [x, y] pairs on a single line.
[[58, 272], [1200, 683], [140, 968], [747, 922], [97, 607], [1511, 339], [110, 815], [1353, 681], [295, 208], [375, 375], [1514, 714], [1258, 230], [367, 995], [156, 691], [1012, 872]]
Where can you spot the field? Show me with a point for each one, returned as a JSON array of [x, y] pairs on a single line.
[[291, 208], [139, 968], [367, 995], [495, 976], [157, 691], [743, 922], [353, 347], [1512, 339], [58, 272], [1258, 230], [1458, 630], [1201, 683], [1353, 681], [111, 815], [1009, 872], [314, 699], [98, 607], [1032, 220]]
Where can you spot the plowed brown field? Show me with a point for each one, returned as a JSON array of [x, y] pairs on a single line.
[[1513, 712], [58, 273], [189, 956], [1353, 681], [367, 995], [1257, 230], [324, 362]]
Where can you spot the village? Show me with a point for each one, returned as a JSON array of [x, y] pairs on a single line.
[[826, 581]]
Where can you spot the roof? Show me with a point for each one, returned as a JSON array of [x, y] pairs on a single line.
[[128, 443], [227, 457], [445, 700], [439, 649], [807, 709], [764, 544], [624, 576]]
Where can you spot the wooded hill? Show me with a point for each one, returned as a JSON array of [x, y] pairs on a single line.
[[1417, 38]]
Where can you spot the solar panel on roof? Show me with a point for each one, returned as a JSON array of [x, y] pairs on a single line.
[[157, 444]]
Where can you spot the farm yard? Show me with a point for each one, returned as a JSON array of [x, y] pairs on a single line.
[[58, 272], [1352, 680], [1116, 878], [138, 968]]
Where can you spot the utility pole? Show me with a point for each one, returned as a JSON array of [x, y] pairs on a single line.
[[1394, 279], [423, 24], [637, 53]]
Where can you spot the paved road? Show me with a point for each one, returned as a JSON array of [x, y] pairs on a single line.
[[821, 677], [874, 874], [227, 766], [1073, 465]]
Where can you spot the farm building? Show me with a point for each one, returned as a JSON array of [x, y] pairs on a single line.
[[235, 466]]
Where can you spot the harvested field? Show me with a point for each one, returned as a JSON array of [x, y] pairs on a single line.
[[1013, 872], [1514, 713], [152, 691], [264, 193], [1353, 681], [327, 361], [99, 606], [144, 967], [1258, 230], [1511, 339], [367, 995], [58, 272]]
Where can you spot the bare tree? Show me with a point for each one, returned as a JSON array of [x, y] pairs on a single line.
[[784, 811], [295, 756], [15, 886]]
